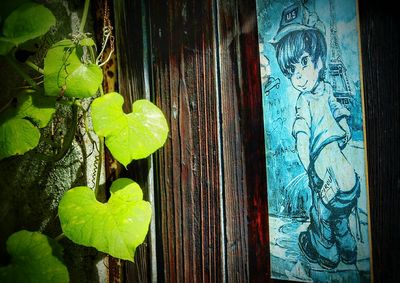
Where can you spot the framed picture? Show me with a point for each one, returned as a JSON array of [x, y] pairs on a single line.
[[314, 140]]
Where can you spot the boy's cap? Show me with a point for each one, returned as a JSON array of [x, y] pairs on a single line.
[[297, 18]]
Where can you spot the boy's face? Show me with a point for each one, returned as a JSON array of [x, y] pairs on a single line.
[[305, 73]]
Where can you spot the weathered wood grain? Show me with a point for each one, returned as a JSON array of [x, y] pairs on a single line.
[[182, 40], [242, 140], [380, 53], [235, 210], [254, 150]]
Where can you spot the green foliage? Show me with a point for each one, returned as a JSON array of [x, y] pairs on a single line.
[[65, 74], [27, 22], [5, 45], [40, 109], [87, 42], [17, 136], [129, 136], [35, 258], [116, 227], [18, 133]]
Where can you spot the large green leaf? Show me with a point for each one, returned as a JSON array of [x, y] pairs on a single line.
[[64, 73], [129, 136], [27, 22], [35, 258], [17, 134], [116, 227]]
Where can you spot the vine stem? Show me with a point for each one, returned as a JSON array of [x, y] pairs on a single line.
[[21, 72], [34, 66], [69, 138], [99, 164], [101, 139], [84, 16], [101, 156]]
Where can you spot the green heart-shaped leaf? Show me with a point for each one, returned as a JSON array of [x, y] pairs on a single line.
[[116, 227], [65, 73], [27, 22], [129, 136], [35, 258]]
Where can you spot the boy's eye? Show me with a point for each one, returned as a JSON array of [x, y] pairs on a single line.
[[304, 61]]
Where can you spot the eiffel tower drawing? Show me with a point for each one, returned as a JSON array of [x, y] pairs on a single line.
[[336, 68]]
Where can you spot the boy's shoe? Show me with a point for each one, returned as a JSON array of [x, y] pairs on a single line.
[[307, 248], [347, 247], [312, 254], [348, 257]]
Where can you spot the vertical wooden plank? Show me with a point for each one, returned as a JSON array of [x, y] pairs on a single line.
[[250, 106], [183, 84], [234, 171], [170, 209], [380, 53], [243, 143], [129, 33]]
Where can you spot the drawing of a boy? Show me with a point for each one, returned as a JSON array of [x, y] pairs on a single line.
[[321, 132]]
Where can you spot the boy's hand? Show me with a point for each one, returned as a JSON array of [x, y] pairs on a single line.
[[303, 149], [343, 142]]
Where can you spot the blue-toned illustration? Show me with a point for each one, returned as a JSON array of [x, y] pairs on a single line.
[[317, 192]]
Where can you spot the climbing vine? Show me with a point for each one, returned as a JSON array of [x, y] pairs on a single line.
[[72, 73]]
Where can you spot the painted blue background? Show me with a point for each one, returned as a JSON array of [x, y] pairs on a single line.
[[289, 197]]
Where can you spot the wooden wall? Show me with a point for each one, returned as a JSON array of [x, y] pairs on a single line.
[[380, 55], [201, 64], [211, 172]]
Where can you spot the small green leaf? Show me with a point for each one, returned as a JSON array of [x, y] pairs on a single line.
[[17, 136], [116, 227], [129, 136], [37, 107], [65, 73], [35, 258], [27, 22], [87, 42]]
